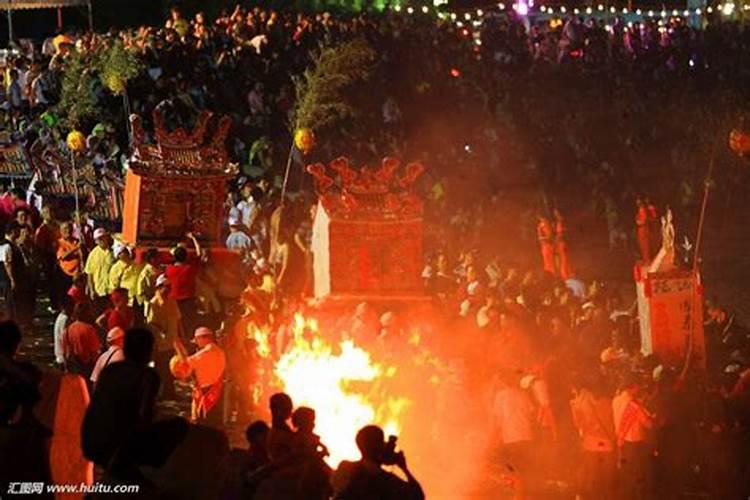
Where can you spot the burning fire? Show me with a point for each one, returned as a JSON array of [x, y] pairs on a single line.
[[342, 383]]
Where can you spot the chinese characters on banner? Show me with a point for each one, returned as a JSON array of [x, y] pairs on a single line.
[[675, 318]]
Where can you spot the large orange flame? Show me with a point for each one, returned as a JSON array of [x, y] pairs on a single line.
[[341, 382]]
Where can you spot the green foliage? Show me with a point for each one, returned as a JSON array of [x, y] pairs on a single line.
[[77, 99], [116, 66], [112, 65], [320, 90]]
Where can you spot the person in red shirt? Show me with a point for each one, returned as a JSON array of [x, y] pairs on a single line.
[[120, 314], [182, 275], [81, 344], [77, 291]]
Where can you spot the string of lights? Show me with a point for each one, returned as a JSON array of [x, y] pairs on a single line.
[[524, 8]]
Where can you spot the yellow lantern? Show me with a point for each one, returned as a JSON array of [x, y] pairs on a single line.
[[76, 141], [179, 368], [304, 140], [115, 84]]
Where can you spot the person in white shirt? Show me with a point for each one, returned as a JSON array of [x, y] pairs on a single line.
[[632, 425], [116, 341], [513, 418], [61, 323], [5, 258], [208, 365]]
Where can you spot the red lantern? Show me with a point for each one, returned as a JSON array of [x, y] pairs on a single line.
[[739, 142]]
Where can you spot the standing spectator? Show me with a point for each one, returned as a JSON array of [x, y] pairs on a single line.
[[116, 340], [592, 416], [146, 287], [45, 242], [165, 321], [209, 363], [120, 314], [182, 276], [98, 265], [63, 319], [281, 437], [122, 408], [81, 343], [23, 277], [124, 274], [77, 291], [632, 425], [6, 271], [69, 258], [366, 479]]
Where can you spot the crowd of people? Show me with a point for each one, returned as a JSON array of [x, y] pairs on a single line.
[[562, 397]]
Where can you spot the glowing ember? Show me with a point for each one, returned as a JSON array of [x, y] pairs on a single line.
[[340, 384]]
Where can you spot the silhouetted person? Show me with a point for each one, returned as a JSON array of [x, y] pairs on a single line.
[[367, 480], [122, 406], [24, 441], [246, 468], [281, 435]]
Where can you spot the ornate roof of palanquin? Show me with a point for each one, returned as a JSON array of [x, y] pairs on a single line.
[[385, 193], [180, 152]]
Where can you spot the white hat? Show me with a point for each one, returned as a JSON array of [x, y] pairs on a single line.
[[100, 232], [387, 319], [203, 332], [115, 333], [234, 220], [162, 280], [120, 249]]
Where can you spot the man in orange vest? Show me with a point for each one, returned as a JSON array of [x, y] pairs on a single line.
[[641, 230], [561, 246], [546, 243]]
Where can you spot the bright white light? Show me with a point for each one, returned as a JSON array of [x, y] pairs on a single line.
[[664, 13], [543, 8], [478, 41], [563, 9], [728, 9], [624, 10], [675, 13], [467, 16], [501, 6], [397, 8], [686, 13], [425, 9], [691, 63], [710, 9], [638, 12], [480, 13], [600, 7], [576, 11], [651, 13], [698, 12], [588, 10], [612, 10], [410, 10], [521, 8], [453, 16], [459, 24]]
